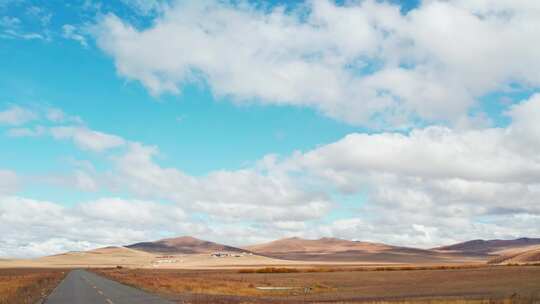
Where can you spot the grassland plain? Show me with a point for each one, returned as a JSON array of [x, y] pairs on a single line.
[[27, 285], [489, 284]]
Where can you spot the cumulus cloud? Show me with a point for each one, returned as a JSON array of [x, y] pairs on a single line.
[[34, 228], [490, 155], [224, 195], [241, 194], [430, 64], [430, 186], [525, 127], [434, 152], [425, 187], [434, 184]]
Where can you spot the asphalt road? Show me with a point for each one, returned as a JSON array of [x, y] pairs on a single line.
[[83, 287]]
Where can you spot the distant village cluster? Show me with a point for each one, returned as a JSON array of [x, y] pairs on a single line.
[[229, 254], [167, 259], [174, 259]]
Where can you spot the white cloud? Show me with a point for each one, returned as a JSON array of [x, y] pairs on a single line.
[[35, 228], [85, 181], [26, 132], [489, 155], [18, 28], [222, 196], [8, 182], [39, 13], [71, 32], [435, 184], [226, 195], [390, 70], [428, 187], [82, 178], [525, 127], [58, 116], [290, 226], [26, 36], [87, 139], [55, 115], [132, 211], [16, 115], [425, 188]]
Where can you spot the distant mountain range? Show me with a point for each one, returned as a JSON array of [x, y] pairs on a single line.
[[339, 250]]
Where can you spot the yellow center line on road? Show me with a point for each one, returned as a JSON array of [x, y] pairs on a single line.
[[109, 301]]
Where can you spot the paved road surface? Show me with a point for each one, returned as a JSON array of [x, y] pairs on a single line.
[[83, 287]]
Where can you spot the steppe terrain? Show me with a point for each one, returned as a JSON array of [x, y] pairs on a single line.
[[517, 256], [338, 250], [28, 285], [184, 245], [341, 286], [293, 270], [192, 253]]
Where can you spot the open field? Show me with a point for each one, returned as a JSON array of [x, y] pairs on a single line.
[[27, 285], [122, 256], [339, 250], [332, 273], [233, 286], [192, 253]]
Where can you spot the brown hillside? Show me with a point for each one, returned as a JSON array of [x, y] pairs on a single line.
[[323, 245], [182, 245], [525, 256], [489, 247], [338, 250]]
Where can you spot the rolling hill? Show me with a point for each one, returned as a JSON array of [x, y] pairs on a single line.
[[183, 245], [338, 250], [522, 255], [323, 245], [100, 257], [190, 252], [488, 247]]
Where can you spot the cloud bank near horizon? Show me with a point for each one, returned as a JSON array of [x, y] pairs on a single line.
[[423, 188]]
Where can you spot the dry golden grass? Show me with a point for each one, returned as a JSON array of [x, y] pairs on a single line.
[[270, 270], [27, 285], [365, 268], [171, 282], [510, 300], [489, 285]]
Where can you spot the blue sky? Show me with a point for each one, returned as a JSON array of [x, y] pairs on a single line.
[[199, 130], [321, 119]]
